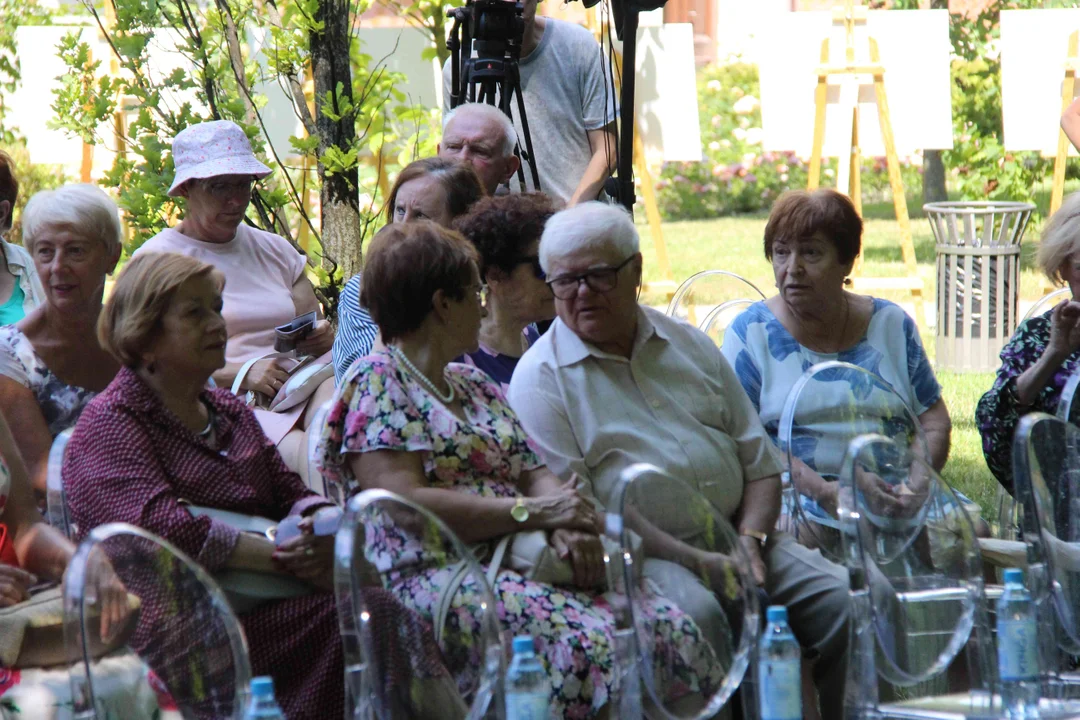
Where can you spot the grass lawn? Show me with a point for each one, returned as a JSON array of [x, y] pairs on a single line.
[[735, 244]]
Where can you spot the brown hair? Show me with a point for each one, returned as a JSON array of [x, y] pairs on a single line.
[[141, 297], [458, 179], [502, 227], [9, 187], [799, 214], [406, 264]]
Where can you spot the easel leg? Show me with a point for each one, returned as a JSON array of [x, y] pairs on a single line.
[[652, 210], [1068, 88], [821, 96], [854, 172], [896, 183]]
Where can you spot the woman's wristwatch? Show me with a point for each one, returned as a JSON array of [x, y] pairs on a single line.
[[519, 512], [761, 537]]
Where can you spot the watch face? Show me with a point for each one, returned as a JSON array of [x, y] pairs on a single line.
[[520, 512]]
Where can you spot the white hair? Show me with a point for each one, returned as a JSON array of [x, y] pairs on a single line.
[[592, 225], [83, 208], [487, 112]]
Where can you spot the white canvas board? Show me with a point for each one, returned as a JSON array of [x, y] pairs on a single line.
[[666, 93], [1034, 45], [915, 51], [33, 99]]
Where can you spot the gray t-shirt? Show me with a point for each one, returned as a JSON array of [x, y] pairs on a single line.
[[563, 82]]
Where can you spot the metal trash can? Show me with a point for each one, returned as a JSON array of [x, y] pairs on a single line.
[[978, 280]]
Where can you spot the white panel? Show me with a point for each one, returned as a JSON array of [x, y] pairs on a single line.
[[1034, 45], [666, 93], [917, 83]]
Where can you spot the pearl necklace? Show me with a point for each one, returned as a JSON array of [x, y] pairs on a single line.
[[446, 399]]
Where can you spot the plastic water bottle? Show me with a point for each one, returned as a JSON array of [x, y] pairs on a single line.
[[1018, 649], [263, 706], [528, 692], [779, 665]]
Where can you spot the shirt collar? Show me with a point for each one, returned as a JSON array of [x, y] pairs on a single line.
[[571, 349]]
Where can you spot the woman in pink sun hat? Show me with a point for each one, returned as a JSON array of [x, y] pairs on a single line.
[[266, 285]]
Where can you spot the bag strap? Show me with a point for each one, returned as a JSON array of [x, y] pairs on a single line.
[[458, 572], [244, 371]]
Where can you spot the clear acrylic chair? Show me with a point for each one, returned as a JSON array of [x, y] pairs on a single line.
[[383, 680], [720, 317], [917, 589], [693, 556], [331, 491], [831, 404], [704, 292], [1047, 486], [55, 500], [1046, 302], [184, 629]]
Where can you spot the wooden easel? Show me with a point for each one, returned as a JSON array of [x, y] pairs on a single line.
[[1068, 88], [851, 15], [667, 286]]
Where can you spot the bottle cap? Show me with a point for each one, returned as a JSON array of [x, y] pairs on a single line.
[[1014, 575], [262, 686], [524, 644], [776, 613]]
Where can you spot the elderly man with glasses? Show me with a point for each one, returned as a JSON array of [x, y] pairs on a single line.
[[614, 383]]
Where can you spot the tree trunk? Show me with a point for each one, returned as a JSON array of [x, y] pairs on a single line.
[[933, 177], [341, 237]]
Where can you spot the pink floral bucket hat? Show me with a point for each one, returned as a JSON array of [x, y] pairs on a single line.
[[214, 148]]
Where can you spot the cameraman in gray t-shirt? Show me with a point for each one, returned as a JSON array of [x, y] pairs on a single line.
[[570, 108]]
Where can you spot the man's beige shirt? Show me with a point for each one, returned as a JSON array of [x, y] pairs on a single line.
[[676, 403]]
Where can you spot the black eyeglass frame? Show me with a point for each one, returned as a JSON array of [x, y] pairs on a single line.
[[589, 277]]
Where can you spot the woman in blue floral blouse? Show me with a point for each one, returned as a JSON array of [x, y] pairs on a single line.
[[408, 420], [1044, 351], [812, 240]]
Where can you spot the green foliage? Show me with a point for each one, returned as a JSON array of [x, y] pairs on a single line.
[[735, 175], [32, 179]]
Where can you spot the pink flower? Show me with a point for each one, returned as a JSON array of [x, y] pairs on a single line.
[[9, 678]]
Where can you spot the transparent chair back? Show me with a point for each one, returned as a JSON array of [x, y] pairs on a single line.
[[382, 679], [180, 624], [329, 490], [55, 500], [1047, 485], [831, 404], [1069, 404], [720, 317], [694, 558], [703, 292], [1046, 302], [917, 590]]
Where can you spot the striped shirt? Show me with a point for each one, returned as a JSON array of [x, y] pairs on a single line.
[[356, 330]]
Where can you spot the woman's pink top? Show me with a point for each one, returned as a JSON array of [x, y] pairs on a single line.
[[260, 269]]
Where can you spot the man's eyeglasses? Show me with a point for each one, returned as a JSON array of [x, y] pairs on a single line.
[[534, 260], [223, 188], [481, 292], [601, 280]]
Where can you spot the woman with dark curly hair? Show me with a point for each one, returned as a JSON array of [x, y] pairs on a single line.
[[506, 232]]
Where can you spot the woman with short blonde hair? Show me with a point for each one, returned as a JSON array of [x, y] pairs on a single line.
[[51, 363], [1042, 353]]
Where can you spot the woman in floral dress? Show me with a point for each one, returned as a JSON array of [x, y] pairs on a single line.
[[408, 420], [1042, 353]]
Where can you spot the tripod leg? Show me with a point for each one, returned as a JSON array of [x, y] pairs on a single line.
[[515, 89]]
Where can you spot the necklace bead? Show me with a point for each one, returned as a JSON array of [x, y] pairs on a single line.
[[445, 398]]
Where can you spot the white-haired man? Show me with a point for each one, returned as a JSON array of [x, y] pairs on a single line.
[[614, 383], [484, 137], [570, 107]]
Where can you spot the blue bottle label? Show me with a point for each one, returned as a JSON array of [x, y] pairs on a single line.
[[527, 706], [1018, 652], [781, 690]]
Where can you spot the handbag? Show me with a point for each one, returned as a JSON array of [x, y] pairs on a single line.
[[248, 589], [530, 554], [306, 374]]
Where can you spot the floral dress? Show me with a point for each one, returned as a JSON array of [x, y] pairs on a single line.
[[379, 407], [999, 411], [61, 404]]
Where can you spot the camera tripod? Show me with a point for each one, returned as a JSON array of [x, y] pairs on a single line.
[[493, 76]]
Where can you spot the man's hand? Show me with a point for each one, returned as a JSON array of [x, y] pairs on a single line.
[[585, 553], [757, 562]]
